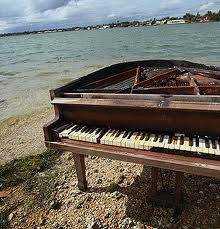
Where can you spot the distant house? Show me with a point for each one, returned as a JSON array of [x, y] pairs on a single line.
[[106, 26], [173, 22]]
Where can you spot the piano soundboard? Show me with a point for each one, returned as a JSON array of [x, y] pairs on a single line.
[[181, 143]]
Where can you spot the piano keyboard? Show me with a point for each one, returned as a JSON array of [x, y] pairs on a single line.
[[142, 140]]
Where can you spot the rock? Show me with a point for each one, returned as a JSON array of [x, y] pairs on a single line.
[[184, 227], [68, 156], [55, 204], [116, 195], [99, 181], [42, 221], [10, 217], [75, 192], [121, 170], [126, 223], [92, 225]]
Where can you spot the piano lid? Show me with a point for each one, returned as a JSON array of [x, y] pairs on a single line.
[[148, 77]]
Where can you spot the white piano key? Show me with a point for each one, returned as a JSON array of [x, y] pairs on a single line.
[[123, 141], [128, 139], [91, 134], [103, 139], [166, 139], [146, 142], [86, 137], [217, 151], [76, 136], [118, 140], [82, 137], [151, 140], [156, 143], [211, 149], [201, 147], [96, 134], [138, 140], [141, 144], [132, 140], [109, 137], [66, 132], [160, 143], [177, 145], [194, 147], [113, 137], [74, 132], [187, 144]]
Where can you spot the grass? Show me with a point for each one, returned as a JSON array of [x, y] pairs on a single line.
[[23, 169], [3, 219]]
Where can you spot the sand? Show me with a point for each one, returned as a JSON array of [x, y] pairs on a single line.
[[23, 135]]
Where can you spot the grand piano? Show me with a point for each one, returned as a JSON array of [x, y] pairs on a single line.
[[160, 113]]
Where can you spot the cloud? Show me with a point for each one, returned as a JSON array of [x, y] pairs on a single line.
[[44, 5], [210, 5], [19, 15]]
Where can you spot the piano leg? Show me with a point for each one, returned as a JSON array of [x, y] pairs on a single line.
[[154, 180], [79, 160], [179, 181], [163, 197]]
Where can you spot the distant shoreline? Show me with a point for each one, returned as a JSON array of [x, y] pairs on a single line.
[[186, 19]]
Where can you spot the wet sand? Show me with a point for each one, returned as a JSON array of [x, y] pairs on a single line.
[[23, 135]]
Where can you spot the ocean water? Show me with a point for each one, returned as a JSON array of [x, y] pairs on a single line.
[[30, 65]]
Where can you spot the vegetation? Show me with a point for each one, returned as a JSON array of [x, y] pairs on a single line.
[[211, 16], [190, 18], [22, 169]]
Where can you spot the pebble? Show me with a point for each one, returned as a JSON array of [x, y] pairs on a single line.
[[42, 221], [116, 195], [92, 225], [10, 217], [99, 181], [55, 204]]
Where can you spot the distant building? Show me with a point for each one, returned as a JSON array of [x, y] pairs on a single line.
[[105, 26], [173, 22]]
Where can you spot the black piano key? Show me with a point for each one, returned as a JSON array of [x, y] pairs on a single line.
[[161, 138], [207, 145], [197, 141], [214, 146], [142, 136], [182, 140], [190, 141]]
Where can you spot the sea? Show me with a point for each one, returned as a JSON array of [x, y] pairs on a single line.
[[31, 65]]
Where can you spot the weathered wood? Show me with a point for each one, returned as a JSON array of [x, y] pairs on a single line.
[[197, 166], [154, 180], [178, 90], [179, 182], [141, 104], [154, 97], [210, 90], [112, 79], [138, 75], [166, 74], [79, 160]]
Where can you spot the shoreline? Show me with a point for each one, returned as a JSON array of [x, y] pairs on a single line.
[[23, 135]]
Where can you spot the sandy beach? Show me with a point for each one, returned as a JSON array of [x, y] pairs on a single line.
[[23, 135]]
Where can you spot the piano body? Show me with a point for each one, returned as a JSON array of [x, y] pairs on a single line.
[[160, 113]]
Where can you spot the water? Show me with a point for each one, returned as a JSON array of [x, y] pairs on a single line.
[[31, 65]]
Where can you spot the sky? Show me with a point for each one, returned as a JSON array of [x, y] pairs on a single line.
[[28, 15]]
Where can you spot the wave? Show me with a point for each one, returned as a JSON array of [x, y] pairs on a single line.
[[8, 73]]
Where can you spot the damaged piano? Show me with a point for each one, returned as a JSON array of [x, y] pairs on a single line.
[[160, 113]]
